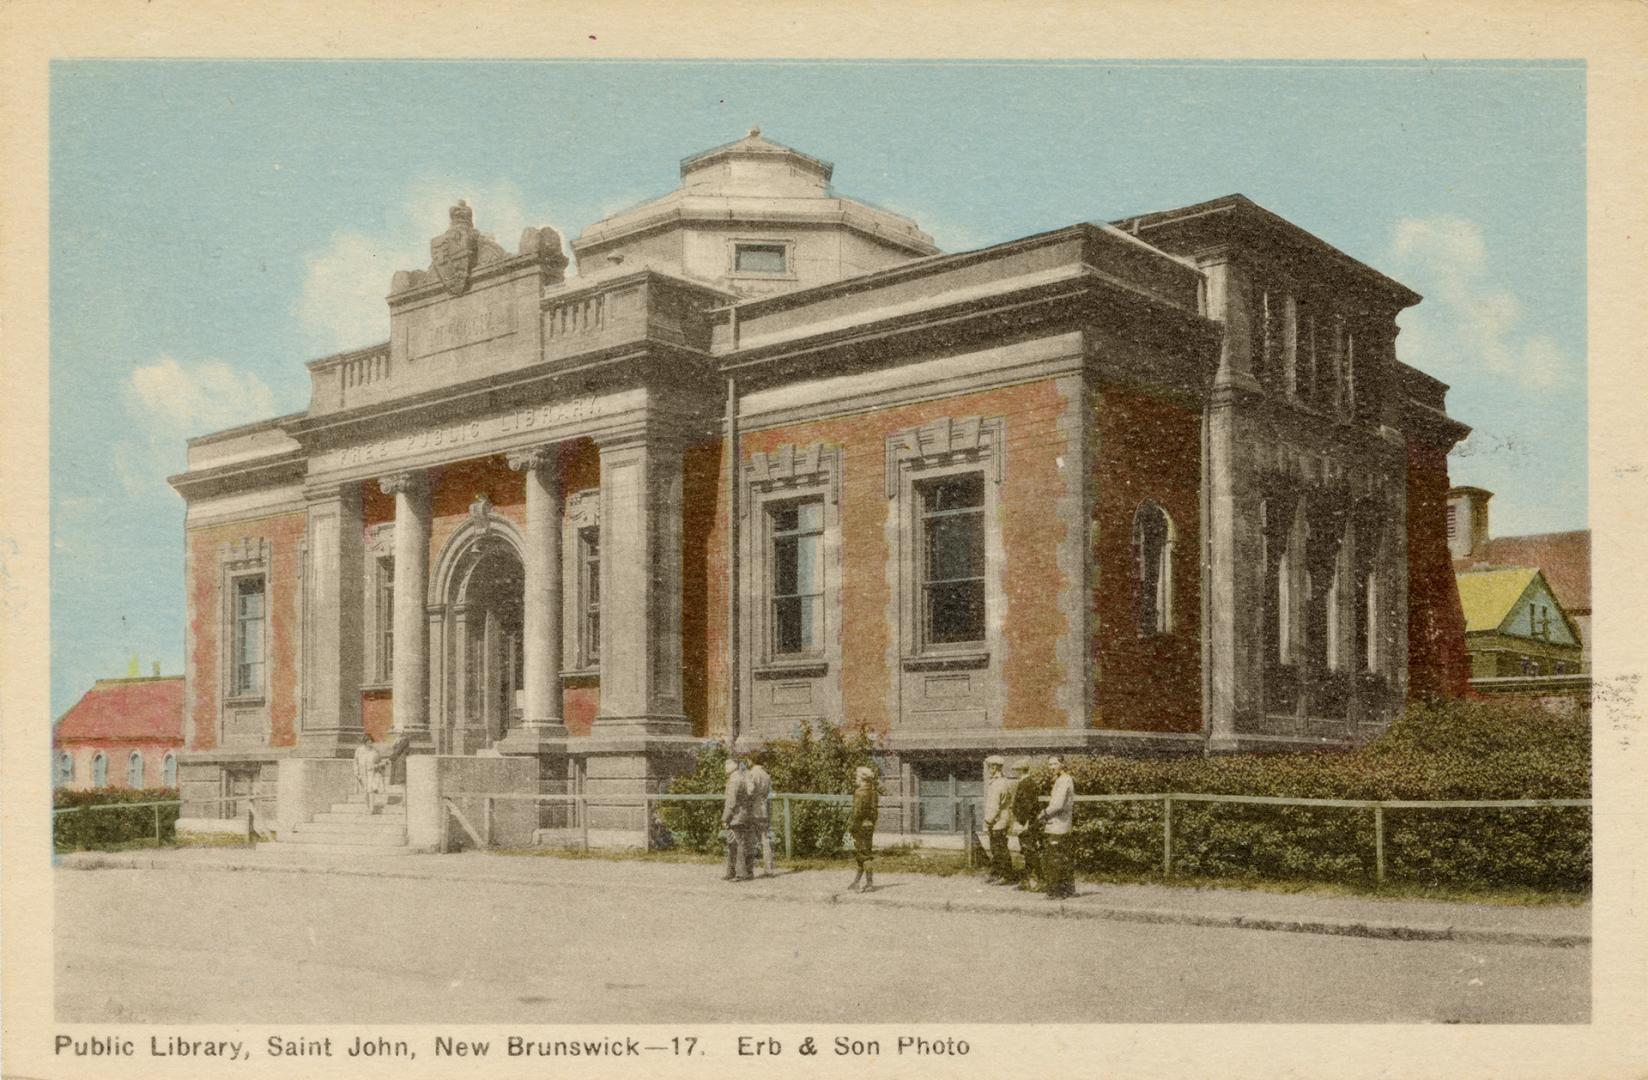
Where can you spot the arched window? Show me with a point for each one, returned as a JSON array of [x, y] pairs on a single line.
[[134, 770], [100, 770], [65, 769], [168, 771], [1153, 570], [1292, 587]]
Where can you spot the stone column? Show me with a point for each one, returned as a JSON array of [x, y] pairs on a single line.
[[641, 588], [410, 676], [541, 610], [332, 638]]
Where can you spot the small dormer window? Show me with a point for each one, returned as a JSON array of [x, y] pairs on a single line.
[[760, 259]]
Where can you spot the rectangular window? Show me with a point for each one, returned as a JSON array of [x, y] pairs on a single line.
[[247, 651], [759, 258], [797, 577], [386, 619], [952, 559], [1453, 522], [589, 596]]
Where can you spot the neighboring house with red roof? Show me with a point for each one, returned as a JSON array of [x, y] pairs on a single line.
[[1563, 558], [122, 733]]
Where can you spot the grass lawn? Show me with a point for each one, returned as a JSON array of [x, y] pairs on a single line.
[[911, 860]]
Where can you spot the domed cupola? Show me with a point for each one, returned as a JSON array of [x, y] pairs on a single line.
[[754, 217]]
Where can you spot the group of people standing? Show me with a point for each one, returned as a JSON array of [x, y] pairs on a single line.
[[1013, 807], [746, 811]]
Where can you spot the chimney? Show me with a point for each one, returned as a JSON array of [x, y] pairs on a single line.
[[1468, 522], [157, 669]]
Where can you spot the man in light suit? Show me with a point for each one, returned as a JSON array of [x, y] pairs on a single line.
[[998, 817], [1058, 818], [760, 815]]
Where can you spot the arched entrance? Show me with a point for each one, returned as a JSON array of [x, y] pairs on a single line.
[[482, 661]]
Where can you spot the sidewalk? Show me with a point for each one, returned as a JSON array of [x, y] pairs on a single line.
[[1409, 920]]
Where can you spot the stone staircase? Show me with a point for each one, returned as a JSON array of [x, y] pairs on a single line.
[[348, 829]]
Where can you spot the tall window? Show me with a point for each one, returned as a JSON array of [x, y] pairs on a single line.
[[100, 770], [589, 595], [134, 770], [168, 771], [65, 768], [247, 653], [1153, 570], [386, 619], [1332, 604], [952, 563], [797, 577], [1369, 622]]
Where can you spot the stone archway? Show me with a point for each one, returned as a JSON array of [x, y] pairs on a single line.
[[479, 592]]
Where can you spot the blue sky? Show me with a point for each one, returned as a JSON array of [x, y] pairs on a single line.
[[214, 225]]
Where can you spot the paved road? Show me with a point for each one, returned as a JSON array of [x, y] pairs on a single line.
[[184, 945]]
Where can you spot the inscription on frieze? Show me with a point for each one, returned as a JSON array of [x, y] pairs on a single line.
[[458, 435]]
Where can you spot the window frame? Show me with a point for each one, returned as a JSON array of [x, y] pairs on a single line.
[[580, 519], [1162, 624], [926, 527], [134, 764], [238, 691], [384, 639], [788, 475], [168, 770], [772, 535], [587, 554], [932, 451], [737, 244], [100, 770], [64, 774]]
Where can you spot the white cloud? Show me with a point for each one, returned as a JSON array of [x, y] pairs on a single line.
[[342, 302], [1468, 320], [169, 401]]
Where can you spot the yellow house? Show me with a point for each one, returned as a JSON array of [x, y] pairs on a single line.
[[1514, 625]]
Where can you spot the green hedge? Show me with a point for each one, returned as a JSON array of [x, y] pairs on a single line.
[[108, 828], [821, 763], [1455, 750]]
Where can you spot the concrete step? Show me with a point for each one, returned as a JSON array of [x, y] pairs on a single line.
[[352, 839], [285, 848], [397, 815], [366, 827], [353, 807]]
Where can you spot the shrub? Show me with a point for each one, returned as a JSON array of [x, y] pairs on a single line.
[[821, 764], [1452, 750], [106, 828], [696, 826]]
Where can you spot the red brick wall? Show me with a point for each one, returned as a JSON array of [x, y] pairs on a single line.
[[1145, 448], [154, 761], [1438, 665], [205, 602], [1031, 533]]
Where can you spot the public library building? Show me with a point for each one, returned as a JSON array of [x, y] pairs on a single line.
[[770, 459]]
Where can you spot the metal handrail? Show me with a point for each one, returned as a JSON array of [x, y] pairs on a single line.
[[162, 802]]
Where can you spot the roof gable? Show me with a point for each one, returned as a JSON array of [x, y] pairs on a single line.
[[1504, 600], [1564, 558]]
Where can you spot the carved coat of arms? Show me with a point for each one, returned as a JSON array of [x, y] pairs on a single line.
[[452, 254]]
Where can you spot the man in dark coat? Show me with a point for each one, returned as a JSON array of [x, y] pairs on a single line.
[[736, 816], [862, 823], [1027, 822]]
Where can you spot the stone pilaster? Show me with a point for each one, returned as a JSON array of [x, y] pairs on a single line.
[[641, 588], [1234, 588], [410, 675], [541, 610], [332, 638]]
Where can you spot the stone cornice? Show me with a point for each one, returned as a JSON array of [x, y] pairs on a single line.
[[287, 467]]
